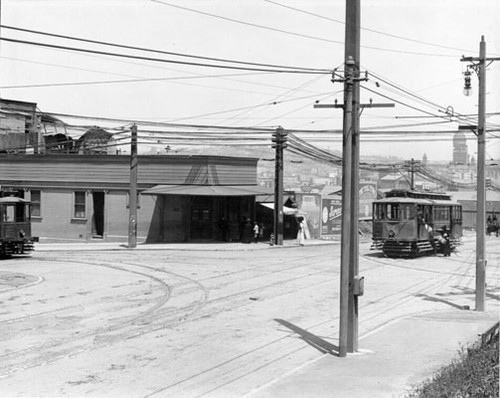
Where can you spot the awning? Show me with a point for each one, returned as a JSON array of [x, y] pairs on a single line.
[[207, 190], [288, 211]]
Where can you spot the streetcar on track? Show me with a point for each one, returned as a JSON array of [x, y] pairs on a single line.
[[408, 223], [15, 226]]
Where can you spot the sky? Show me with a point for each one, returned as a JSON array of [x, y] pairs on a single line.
[[411, 50]]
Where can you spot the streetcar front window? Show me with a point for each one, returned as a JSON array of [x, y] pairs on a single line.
[[9, 213], [405, 211], [393, 211], [379, 212], [14, 212]]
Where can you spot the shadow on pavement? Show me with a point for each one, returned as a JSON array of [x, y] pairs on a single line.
[[314, 341], [426, 297], [491, 291]]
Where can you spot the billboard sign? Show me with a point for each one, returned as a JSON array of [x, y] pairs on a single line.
[[331, 217]]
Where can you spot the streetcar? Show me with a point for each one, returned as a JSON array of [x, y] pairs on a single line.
[[15, 226], [408, 223]]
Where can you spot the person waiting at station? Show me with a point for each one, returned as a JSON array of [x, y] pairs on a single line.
[[444, 242], [256, 231]]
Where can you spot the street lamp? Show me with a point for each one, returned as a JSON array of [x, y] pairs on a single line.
[[467, 86]]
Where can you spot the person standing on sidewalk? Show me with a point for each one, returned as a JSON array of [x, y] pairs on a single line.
[[255, 231], [301, 233]]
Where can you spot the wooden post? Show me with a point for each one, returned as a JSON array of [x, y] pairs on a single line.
[[481, 183], [278, 139], [352, 49], [132, 226], [346, 209]]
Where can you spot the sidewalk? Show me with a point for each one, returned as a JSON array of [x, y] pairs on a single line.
[[196, 246], [391, 359]]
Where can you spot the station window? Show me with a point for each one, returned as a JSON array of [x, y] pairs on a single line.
[[79, 205], [36, 203]]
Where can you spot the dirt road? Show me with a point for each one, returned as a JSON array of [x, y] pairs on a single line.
[[213, 323]]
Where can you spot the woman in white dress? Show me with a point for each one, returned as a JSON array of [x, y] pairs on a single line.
[[301, 234]]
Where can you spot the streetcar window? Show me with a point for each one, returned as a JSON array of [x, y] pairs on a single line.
[[427, 214], [393, 211], [9, 214], [405, 211], [20, 209], [379, 212], [381, 209]]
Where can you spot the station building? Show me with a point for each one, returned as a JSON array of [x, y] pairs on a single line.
[[180, 198]]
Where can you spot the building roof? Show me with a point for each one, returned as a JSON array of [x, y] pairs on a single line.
[[113, 171], [206, 190]]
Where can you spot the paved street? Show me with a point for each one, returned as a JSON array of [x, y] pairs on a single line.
[[196, 320]]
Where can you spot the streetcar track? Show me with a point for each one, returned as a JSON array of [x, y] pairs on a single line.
[[395, 300], [398, 303], [179, 315]]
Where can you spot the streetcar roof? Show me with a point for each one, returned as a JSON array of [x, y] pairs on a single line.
[[405, 200], [418, 201], [13, 199]]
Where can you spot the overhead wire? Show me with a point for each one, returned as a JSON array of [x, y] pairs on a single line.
[[284, 95], [444, 110], [294, 33], [177, 54], [367, 29], [469, 120], [171, 61]]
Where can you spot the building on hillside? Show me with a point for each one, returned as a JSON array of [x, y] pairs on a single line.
[[394, 181], [180, 198]]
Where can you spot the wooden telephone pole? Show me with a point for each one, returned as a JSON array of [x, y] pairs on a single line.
[[279, 138], [479, 66], [132, 220], [351, 284]]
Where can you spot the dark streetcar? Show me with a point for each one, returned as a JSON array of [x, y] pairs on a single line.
[[15, 226], [411, 223]]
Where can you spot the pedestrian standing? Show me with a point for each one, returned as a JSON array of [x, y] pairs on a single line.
[[256, 230], [301, 233], [445, 242]]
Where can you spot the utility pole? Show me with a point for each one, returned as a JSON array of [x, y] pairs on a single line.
[[345, 238], [479, 65], [351, 287], [413, 166], [351, 284], [279, 138], [352, 49], [132, 221]]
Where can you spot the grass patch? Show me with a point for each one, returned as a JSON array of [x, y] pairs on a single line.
[[473, 374]]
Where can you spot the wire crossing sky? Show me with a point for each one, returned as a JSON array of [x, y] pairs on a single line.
[[255, 64]]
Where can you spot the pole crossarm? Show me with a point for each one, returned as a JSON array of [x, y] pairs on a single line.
[[477, 59], [362, 106]]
